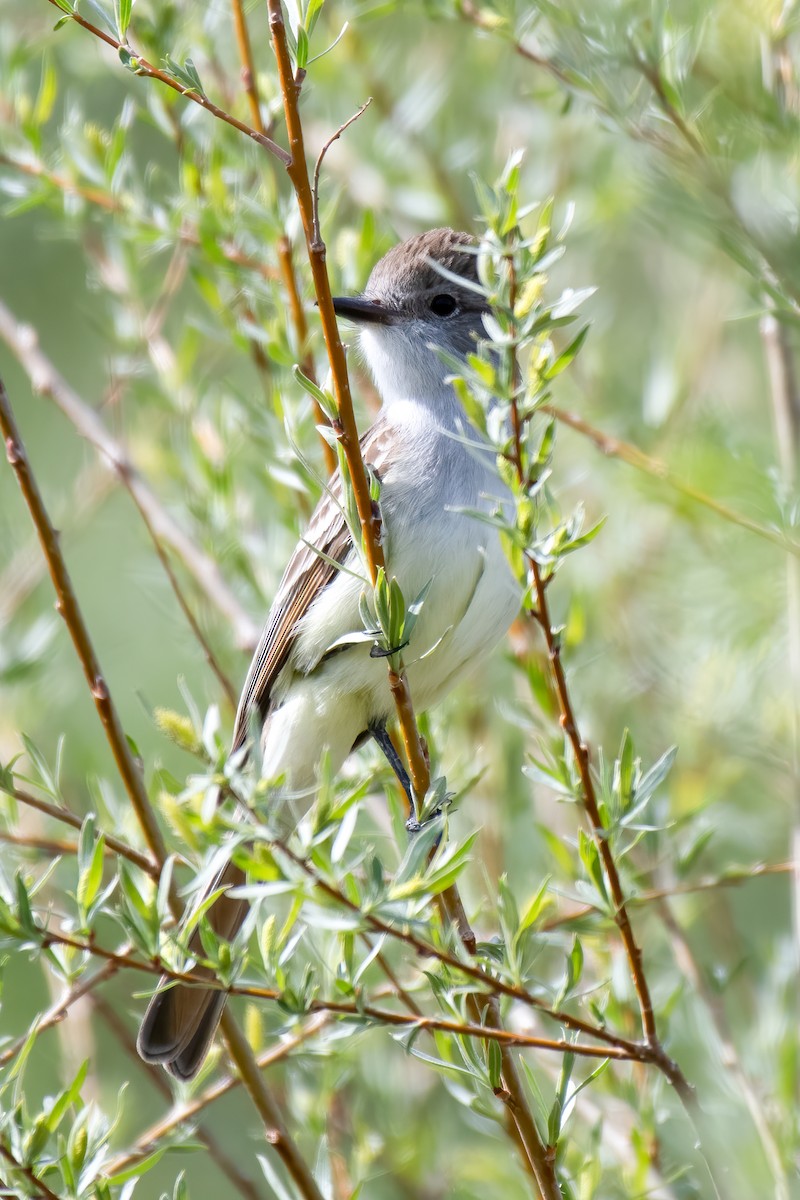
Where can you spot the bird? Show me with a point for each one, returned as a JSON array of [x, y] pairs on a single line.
[[310, 690]]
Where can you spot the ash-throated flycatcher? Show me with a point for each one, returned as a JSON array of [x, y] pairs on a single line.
[[310, 694]]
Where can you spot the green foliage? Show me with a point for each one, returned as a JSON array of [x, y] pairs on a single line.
[[140, 238]]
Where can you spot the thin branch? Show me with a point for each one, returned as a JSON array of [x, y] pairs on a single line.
[[45, 380], [208, 650], [190, 1108], [140, 66], [42, 1189], [277, 1136], [67, 606], [249, 81], [297, 315], [427, 950], [68, 818], [612, 1047], [345, 427], [318, 166], [600, 834], [149, 1140], [58, 1011], [731, 879], [134, 785], [614, 447]]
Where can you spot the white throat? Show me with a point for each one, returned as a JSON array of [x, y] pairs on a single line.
[[404, 367]]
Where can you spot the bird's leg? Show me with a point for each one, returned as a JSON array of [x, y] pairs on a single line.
[[378, 731]]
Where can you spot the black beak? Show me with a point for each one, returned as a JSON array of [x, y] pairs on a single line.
[[363, 311]]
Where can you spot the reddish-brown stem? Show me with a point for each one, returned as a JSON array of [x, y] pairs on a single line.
[[41, 1188], [297, 315], [612, 1047], [150, 1140], [68, 818], [249, 81], [346, 430], [140, 66], [67, 606]]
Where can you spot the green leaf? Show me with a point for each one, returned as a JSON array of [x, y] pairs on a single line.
[[91, 876], [566, 356], [123, 9], [68, 1097]]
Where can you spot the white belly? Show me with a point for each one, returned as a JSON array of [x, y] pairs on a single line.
[[328, 699]]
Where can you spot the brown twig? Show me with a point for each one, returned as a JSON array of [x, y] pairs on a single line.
[[321, 158], [614, 447], [134, 785], [297, 316], [612, 1046], [346, 430], [149, 1140], [67, 605], [23, 342], [140, 66], [267, 1109], [68, 818], [58, 1011], [42, 1189], [249, 80], [190, 1108]]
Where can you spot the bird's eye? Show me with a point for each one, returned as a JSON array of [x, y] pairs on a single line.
[[443, 305]]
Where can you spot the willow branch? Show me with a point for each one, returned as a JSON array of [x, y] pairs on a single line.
[[614, 447], [140, 66], [75, 822], [600, 834], [149, 1141], [249, 80], [67, 606], [58, 1011], [346, 430], [42, 1189], [134, 785], [612, 1047], [23, 343]]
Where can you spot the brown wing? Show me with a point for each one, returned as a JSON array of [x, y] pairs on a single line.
[[307, 574]]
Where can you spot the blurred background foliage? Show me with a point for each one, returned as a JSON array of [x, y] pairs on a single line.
[[140, 240]]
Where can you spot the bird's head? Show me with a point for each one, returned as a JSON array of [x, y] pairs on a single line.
[[409, 306]]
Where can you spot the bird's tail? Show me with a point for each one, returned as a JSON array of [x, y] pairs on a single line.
[[182, 1018]]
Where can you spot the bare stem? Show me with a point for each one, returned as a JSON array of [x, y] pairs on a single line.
[[67, 605], [297, 315], [614, 447], [23, 342], [249, 80], [150, 1140], [346, 430]]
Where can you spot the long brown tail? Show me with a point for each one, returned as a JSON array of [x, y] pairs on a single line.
[[181, 1019]]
